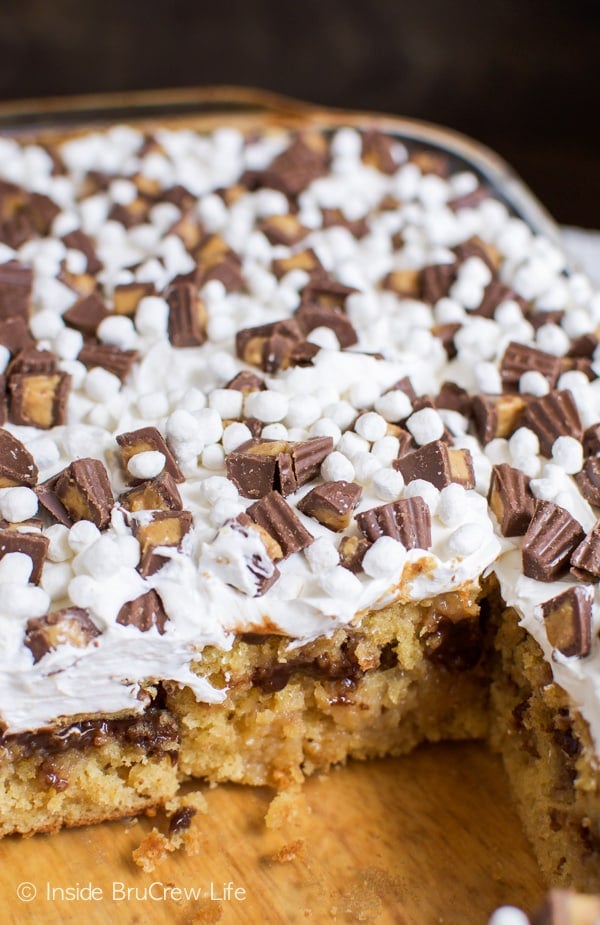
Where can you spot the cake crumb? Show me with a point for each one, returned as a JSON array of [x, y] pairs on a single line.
[[289, 852], [196, 799], [286, 807], [152, 850], [207, 912]]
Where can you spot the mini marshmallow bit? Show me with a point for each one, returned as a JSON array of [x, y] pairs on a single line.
[[552, 339], [385, 559], [303, 410], [386, 449], [371, 426], [364, 394], [59, 549], [340, 583], [210, 425], [213, 457], [151, 317], [342, 413], [82, 534], [534, 383], [18, 504], [394, 406], [266, 406], [426, 426], [508, 915], [365, 466], [453, 504], [16, 568], [419, 488], [337, 468], [568, 454], [388, 484], [100, 385], [321, 555], [351, 445], [276, 432], [467, 539], [23, 601], [218, 488], [235, 434], [146, 465], [227, 402]]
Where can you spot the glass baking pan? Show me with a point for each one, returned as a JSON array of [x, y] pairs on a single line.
[[207, 108]]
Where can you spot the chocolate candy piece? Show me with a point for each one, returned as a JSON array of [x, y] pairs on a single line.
[[591, 440], [79, 241], [260, 466], [510, 499], [325, 291], [42, 211], [565, 907], [15, 290], [589, 480], [32, 360], [187, 315], [436, 281], [295, 168], [520, 358], [283, 229], [551, 539], [254, 471], [310, 317], [216, 260], [476, 247], [245, 522], [87, 314], [127, 297], [246, 382], [585, 561], [352, 551], [48, 499], [454, 398], [439, 464], [71, 626], [14, 334], [305, 260], [144, 612], [405, 283], [495, 293], [332, 503], [262, 572], [446, 334], [17, 466], [496, 415], [568, 618], [378, 151], [84, 490], [116, 361], [280, 520], [166, 528], [159, 494], [148, 439], [308, 456], [408, 521], [335, 218], [39, 400], [554, 415], [34, 545], [406, 386], [269, 346], [469, 200]]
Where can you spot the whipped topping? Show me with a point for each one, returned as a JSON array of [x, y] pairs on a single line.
[[209, 587]]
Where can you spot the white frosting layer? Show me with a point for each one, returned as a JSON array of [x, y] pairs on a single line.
[[206, 588]]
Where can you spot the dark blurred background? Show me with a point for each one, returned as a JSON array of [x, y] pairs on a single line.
[[520, 75]]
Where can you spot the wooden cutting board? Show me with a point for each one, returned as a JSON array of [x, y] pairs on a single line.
[[431, 838]]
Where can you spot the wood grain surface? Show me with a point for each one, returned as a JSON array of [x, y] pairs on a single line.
[[431, 838]]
